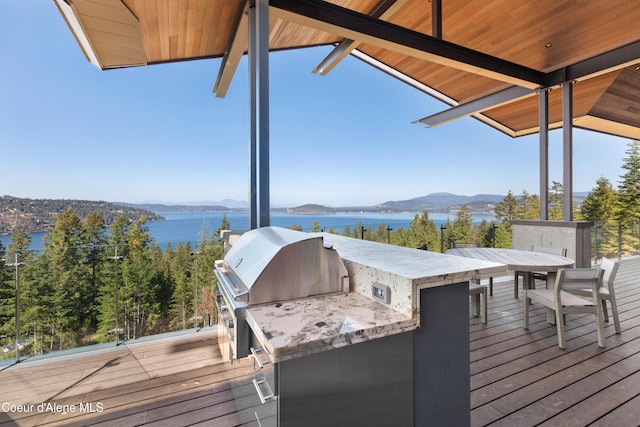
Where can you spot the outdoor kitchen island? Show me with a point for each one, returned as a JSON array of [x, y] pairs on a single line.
[[398, 359]]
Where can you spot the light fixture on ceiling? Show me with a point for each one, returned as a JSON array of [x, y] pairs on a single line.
[[548, 45], [636, 68]]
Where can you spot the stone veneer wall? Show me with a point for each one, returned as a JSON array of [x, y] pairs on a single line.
[[575, 236]]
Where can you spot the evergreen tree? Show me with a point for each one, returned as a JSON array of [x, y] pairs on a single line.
[[461, 228], [182, 299], [425, 232], [380, 234], [507, 209], [600, 207], [601, 202], [362, 232], [111, 273], [5, 291], [529, 206], [141, 283], [37, 309], [628, 213], [210, 251], [18, 249], [556, 210], [69, 277], [163, 292], [629, 187], [446, 235], [94, 241], [486, 233], [503, 236], [406, 237], [225, 224]]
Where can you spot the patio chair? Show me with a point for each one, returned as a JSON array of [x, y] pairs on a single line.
[[540, 275], [606, 291], [475, 290], [456, 245], [563, 302]]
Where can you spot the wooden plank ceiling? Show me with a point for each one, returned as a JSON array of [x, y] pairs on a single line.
[[543, 35]]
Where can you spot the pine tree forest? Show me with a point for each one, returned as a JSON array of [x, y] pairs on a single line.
[[92, 282]]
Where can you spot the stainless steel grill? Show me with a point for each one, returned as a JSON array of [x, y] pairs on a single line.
[[271, 264]]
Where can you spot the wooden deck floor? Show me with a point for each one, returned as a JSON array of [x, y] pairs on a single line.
[[173, 381], [518, 377], [523, 378]]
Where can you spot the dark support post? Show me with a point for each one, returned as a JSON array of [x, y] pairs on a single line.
[[253, 121], [567, 150], [262, 77], [436, 19], [259, 215], [543, 109]]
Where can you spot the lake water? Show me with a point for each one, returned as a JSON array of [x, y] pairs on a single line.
[[183, 227]]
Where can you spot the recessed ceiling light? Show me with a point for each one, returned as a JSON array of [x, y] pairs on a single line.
[[548, 45]]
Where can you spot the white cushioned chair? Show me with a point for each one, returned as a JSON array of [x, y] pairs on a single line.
[[540, 275], [563, 301], [607, 292]]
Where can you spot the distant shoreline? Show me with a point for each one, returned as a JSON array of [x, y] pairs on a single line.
[[40, 215]]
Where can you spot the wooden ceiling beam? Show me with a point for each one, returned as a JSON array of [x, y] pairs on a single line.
[[383, 10], [237, 47], [349, 24]]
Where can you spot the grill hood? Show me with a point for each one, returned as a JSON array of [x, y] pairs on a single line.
[[276, 264]]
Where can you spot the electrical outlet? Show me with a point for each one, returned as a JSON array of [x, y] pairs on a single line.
[[381, 293]]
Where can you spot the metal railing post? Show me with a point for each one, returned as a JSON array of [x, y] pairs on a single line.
[[195, 293], [17, 266], [619, 240], [116, 258]]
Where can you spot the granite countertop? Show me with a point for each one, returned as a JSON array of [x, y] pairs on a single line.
[[300, 327], [421, 268], [305, 326]]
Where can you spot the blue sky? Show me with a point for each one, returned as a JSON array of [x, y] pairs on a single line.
[[157, 133]]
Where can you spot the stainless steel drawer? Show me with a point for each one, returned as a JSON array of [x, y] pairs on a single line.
[[256, 395]]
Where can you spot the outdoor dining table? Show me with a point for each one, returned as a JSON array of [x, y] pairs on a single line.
[[520, 261]]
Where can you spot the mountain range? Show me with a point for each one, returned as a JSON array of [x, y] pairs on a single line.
[[435, 202], [443, 202]]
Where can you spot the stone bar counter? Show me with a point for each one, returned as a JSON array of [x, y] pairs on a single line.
[[408, 346]]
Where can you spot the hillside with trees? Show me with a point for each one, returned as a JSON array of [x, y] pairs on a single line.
[[616, 212], [68, 291], [37, 215]]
